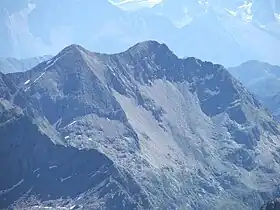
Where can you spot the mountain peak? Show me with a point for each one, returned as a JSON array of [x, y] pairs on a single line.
[[73, 48], [71, 52], [150, 45], [177, 120]]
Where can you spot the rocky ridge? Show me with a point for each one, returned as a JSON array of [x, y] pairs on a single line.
[[175, 133]]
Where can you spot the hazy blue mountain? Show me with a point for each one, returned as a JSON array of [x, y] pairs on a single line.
[[263, 80], [226, 32], [9, 65], [141, 129]]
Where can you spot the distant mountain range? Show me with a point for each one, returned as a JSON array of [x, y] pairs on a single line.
[[263, 80], [141, 129], [9, 65], [226, 32]]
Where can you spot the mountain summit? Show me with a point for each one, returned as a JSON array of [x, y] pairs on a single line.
[[141, 129]]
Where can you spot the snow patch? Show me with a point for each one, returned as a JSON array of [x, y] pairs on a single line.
[[46, 207], [211, 93], [26, 82], [233, 13], [26, 89], [72, 123], [131, 5], [39, 77], [245, 11], [203, 3], [2, 192], [66, 137], [246, 5], [51, 167], [235, 103], [72, 207], [51, 62], [36, 170], [64, 179], [277, 16]]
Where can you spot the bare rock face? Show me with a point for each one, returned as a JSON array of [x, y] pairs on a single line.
[[141, 129], [34, 165], [272, 205]]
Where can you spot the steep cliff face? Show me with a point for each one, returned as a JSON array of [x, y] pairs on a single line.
[[35, 170], [177, 133]]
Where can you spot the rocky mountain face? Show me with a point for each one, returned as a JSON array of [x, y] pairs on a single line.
[[9, 65], [36, 27], [141, 129], [263, 80], [272, 205], [35, 169]]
